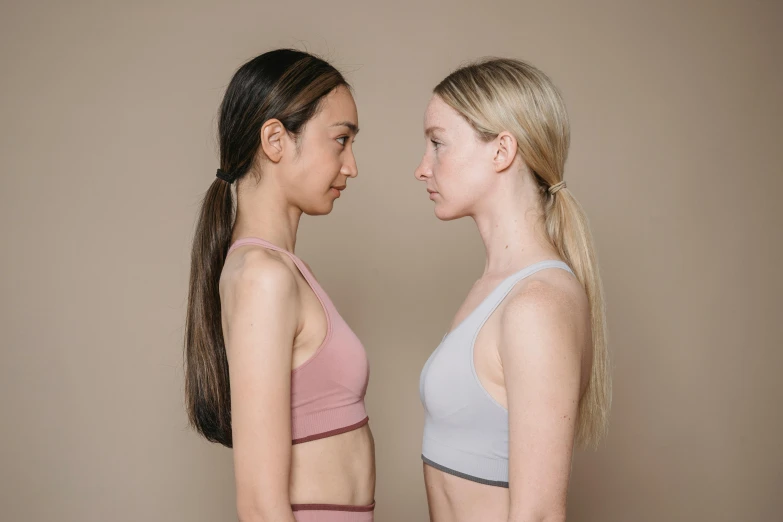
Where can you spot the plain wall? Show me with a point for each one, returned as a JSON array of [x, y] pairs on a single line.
[[107, 144]]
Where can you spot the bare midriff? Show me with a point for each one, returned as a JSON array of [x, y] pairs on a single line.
[[339, 469], [455, 499]]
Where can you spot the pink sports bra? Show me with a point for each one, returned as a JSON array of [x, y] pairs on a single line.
[[327, 390]]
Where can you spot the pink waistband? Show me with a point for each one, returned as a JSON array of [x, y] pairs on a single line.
[[333, 513], [332, 507], [334, 432]]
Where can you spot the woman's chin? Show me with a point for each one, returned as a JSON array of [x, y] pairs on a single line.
[[444, 214], [321, 209]]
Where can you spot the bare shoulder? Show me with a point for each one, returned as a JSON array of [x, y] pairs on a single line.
[[550, 302], [258, 275], [552, 289]]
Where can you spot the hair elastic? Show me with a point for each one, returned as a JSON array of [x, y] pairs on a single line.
[[556, 187], [225, 176]]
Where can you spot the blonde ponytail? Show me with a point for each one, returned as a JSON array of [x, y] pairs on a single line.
[[567, 226]]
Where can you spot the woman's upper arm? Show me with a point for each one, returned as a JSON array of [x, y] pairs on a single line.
[[541, 352], [261, 311]]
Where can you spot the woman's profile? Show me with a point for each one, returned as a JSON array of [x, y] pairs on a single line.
[[272, 370], [522, 374]]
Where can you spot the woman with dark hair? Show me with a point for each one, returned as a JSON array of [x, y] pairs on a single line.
[[272, 370]]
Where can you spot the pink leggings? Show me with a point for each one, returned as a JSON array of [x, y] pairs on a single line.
[[332, 513]]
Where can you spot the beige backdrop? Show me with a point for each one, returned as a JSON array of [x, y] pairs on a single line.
[[108, 142]]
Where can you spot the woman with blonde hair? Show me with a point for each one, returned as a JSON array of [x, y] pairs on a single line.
[[522, 376]]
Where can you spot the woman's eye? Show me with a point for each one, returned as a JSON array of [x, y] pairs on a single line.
[[342, 140], [435, 144]]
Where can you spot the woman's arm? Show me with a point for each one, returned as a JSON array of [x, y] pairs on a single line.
[[261, 308], [541, 347]]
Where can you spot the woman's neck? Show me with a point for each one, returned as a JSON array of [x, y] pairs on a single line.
[[512, 229], [263, 212]]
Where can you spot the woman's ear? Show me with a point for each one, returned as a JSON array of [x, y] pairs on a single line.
[[505, 148], [273, 135]]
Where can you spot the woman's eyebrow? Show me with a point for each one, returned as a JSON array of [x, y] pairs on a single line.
[[351, 126]]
